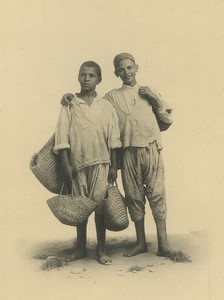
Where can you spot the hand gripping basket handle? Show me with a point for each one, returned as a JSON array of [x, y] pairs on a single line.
[[112, 184], [66, 189], [75, 189], [104, 196]]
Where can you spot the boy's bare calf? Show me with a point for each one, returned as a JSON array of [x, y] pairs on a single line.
[[140, 246], [101, 253], [80, 250]]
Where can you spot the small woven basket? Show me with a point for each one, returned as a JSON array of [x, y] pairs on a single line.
[[71, 209], [115, 212], [47, 168]]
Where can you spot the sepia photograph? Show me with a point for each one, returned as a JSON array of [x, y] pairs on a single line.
[[112, 150]]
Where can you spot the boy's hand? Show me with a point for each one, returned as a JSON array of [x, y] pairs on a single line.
[[68, 171], [145, 92], [112, 175], [66, 99]]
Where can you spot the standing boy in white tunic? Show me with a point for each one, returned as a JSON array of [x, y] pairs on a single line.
[[142, 165], [87, 137]]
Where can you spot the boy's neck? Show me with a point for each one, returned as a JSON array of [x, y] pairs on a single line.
[[133, 83], [87, 96]]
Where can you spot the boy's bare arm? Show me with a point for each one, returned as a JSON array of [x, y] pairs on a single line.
[[67, 168], [66, 99], [112, 175]]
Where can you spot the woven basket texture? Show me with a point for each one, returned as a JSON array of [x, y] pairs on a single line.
[[71, 210], [115, 212], [47, 168]]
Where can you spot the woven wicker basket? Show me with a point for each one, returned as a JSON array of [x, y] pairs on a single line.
[[71, 210], [47, 168], [115, 213]]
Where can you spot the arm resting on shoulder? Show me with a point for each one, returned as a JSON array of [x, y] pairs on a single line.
[[66, 99]]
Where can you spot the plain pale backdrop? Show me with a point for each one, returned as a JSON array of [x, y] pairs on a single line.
[[179, 48]]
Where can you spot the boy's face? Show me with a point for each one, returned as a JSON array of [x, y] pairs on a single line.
[[88, 78], [126, 69]]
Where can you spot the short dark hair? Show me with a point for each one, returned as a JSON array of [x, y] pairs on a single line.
[[94, 65]]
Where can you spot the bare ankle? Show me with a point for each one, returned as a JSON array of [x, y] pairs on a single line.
[[138, 249]]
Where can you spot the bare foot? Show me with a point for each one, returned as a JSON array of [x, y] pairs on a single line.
[[102, 257], [77, 254], [176, 256], [165, 252], [136, 250], [163, 248]]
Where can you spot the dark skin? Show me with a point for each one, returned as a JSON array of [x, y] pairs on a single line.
[[88, 79], [126, 69]]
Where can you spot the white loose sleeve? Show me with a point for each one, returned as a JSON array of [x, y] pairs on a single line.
[[164, 113], [62, 139], [114, 140]]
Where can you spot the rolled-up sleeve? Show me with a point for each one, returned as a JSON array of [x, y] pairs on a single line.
[[114, 140], [62, 140], [164, 113]]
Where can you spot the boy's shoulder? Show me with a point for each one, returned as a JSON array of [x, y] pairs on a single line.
[[112, 93], [108, 105], [104, 102], [115, 90], [100, 98]]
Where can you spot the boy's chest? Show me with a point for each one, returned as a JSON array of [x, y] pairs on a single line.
[[88, 119], [92, 113], [132, 106]]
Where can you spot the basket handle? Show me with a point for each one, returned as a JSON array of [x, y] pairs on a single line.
[[112, 184], [66, 189], [62, 188]]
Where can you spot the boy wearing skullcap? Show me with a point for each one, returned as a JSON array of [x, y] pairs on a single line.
[[139, 112], [121, 56], [142, 165]]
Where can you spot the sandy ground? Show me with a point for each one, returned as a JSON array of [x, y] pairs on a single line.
[[179, 48], [159, 278], [30, 231], [26, 239]]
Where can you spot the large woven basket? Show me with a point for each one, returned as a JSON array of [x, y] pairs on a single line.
[[115, 212], [71, 210], [47, 168]]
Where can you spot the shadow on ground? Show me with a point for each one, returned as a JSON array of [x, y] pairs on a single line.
[[193, 244]]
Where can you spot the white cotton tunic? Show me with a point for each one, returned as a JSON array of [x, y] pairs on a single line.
[[137, 122], [90, 132]]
